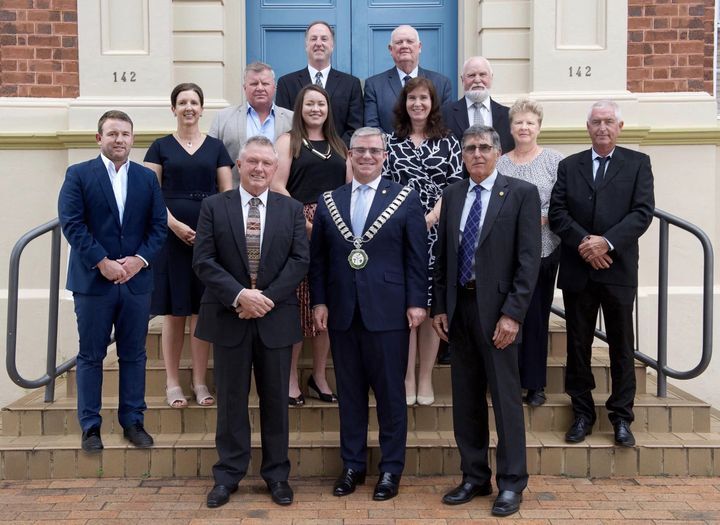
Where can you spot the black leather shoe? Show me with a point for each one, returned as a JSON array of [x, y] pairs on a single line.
[[465, 492], [535, 398], [507, 502], [281, 492], [578, 430], [314, 391], [347, 481], [623, 435], [137, 435], [91, 442], [219, 495], [387, 487]]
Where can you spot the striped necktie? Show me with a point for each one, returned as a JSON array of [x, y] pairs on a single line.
[[318, 79], [252, 239], [468, 244]]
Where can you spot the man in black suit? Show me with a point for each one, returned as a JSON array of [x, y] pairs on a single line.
[[382, 90], [487, 263], [601, 204], [251, 252], [344, 90], [477, 78], [368, 289]]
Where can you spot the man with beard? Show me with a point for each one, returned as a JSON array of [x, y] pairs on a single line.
[[477, 107]]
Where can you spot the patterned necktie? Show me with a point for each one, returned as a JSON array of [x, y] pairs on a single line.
[[406, 79], [600, 173], [469, 239], [318, 79], [252, 239], [359, 215], [478, 119]]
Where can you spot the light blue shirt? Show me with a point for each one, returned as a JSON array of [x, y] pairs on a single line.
[[487, 185], [254, 127], [368, 195]]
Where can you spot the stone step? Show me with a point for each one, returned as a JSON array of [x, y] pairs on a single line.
[[155, 375], [318, 454], [32, 416]]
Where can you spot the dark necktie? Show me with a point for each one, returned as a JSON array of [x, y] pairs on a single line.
[[252, 239], [406, 79], [469, 239], [318, 79], [600, 173]]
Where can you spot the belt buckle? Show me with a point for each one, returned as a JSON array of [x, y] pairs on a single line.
[[470, 285]]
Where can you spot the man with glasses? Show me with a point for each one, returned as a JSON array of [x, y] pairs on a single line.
[[368, 287], [487, 263]]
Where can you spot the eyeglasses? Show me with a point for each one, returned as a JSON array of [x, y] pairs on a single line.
[[375, 152], [470, 149]]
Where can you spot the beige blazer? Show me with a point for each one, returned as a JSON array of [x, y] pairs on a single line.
[[230, 126]]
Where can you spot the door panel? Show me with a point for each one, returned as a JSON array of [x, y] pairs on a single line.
[[276, 33]]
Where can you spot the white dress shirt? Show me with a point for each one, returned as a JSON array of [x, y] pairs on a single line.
[[486, 112], [487, 185], [313, 72], [402, 74], [119, 182], [596, 162], [369, 195]]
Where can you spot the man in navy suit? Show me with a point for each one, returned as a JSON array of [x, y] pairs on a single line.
[[382, 90], [368, 287], [251, 252], [477, 79], [344, 90], [113, 215]]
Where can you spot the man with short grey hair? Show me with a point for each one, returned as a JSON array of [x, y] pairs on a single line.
[[382, 90], [258, 115]]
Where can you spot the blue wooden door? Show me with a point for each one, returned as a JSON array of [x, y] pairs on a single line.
[[276, 32]]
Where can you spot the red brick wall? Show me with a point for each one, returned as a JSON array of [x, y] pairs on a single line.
[[38, 48], [670, 45]]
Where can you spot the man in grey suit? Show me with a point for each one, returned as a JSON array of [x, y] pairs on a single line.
[[251, 252], [488, 259], [257, 116], [382, 90]]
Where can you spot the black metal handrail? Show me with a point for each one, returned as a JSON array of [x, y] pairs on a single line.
[[51, 371], [660, 364]]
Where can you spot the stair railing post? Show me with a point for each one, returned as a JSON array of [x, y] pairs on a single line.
[[53, 308], [662, 309]]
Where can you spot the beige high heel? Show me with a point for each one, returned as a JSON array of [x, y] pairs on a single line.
[[203, 397]]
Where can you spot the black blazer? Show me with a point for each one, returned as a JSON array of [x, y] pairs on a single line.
[[345, 94], [507, 260], [220, 261], [455, 117], [382, 91], [621, 209]]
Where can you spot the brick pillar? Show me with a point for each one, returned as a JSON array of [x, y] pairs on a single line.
[[670, 45], [38, 48]]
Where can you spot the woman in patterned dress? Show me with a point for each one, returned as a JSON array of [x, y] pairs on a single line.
[[424, 155], [311, 161], [536, 165], [190, 166]]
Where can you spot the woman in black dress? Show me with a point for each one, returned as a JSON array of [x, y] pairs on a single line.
[[190, 166], [424, 155], [311, 161]]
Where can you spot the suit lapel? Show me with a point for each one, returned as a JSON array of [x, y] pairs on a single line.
[[269, 230], [498, 117], [303, 79], [586, 168], [461, 115], [104, 180], [455, 210], [131, 195], [394, 82], [497, 199], [332, 82], [233, 205], [342, 201], [379, 203]]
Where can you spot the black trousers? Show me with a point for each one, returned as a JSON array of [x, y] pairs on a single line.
[[477, 366], [534, 346], [377, 360], [271, 367], [581, 309]]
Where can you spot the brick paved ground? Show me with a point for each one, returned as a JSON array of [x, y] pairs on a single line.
[[548, 500]]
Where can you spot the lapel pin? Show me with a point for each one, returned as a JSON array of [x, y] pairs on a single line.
[[502, 193], [384, 192]]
